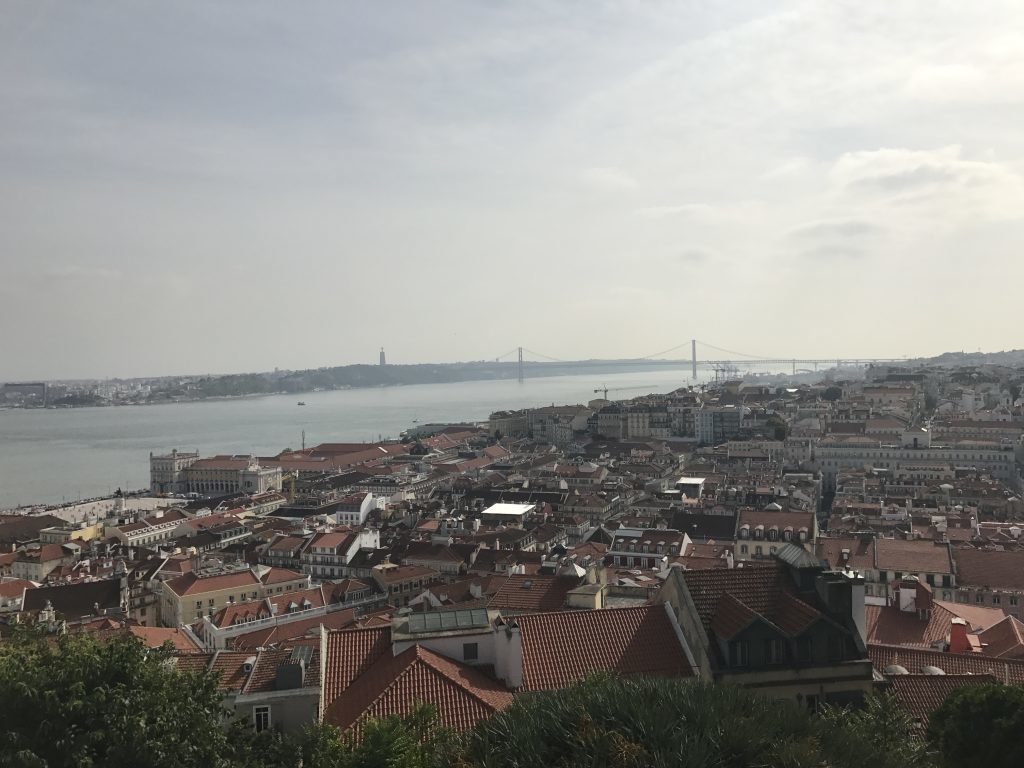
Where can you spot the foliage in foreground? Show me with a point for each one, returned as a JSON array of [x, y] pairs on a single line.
[[80, 702], [622, 723], [980, 725]]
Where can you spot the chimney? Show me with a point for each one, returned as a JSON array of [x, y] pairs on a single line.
[[958, 642], [475, 590]]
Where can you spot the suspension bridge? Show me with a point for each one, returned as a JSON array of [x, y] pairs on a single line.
[[526, 357]]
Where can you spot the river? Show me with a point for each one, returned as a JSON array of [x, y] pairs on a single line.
[[50, 456]]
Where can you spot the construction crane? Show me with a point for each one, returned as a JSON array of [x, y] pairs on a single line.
[[604, 389]]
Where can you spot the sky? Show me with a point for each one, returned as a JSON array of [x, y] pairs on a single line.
[[236, 186]]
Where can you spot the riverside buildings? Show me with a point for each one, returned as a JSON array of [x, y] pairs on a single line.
[[808, 541]]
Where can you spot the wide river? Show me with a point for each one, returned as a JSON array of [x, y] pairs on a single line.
[[50, 456]]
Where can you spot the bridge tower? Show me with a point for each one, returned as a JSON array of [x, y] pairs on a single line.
[[520, 365], [693, 351]]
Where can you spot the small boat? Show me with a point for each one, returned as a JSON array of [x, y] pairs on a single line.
[[301, 402]]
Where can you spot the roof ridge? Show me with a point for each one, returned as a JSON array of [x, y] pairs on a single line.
[[437, 663]]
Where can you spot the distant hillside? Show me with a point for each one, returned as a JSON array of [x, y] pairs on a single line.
[[1012, 358]]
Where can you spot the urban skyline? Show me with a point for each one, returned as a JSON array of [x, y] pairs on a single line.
[[247, 190]]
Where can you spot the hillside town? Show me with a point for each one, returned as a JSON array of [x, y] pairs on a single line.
[[813, 542]]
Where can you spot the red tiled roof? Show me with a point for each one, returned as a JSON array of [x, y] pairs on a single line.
[[280, 575], [461, 695], [560, 649], [292, 630], [403, 572], [350, 652], [777, 520], [912, 556], [731, 617], [861, 553], [1008, 671], [920, 695], [154, 637], [533, 594], [888, 624], [332, 540], [992, 569], [757, 586], [238, 613], [15, 587], [191, 584], [193, 662], [793, 615], [229, 667], [314, 595], [1004, 639], [264, 672]]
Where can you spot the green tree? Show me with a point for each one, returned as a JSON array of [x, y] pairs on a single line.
[[832, 394], [883, 723], [980, 725], [638, 722], [415, 740], [76, 701]]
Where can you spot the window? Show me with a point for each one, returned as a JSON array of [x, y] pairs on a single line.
[[979, 598], [759, 550], [261, 718], [1013, 601], [772, 651], [804, 648], [738, 653], [211, 602], [996, 599], [743, 549], [470, 652], [930, 578], [199, 604], [883, 576], [946, 581]]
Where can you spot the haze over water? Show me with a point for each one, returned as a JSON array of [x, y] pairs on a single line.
[[48, 456]]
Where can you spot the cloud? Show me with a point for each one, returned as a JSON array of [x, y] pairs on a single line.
[[685, 209], [77, 272], [942, 180], [609, 179], [836, 239], [836, 229], [694, 255]]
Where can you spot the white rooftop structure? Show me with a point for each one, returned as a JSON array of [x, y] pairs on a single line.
[[508, 511]]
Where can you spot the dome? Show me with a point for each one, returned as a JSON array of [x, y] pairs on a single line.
[[929, 670]]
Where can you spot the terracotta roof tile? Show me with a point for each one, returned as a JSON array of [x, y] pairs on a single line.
[[1004, 639], [280, 575], [920, 695], [560, 649], [793, 615], [531, 594], [264, 673], [1008, 671], [191, 584], [229, 667], [731, 617], [861, 553], [757, 586], [393, 685], [992, 569], [193, 662], [154, 637], [912, 556], [292, 630], [350, 652]]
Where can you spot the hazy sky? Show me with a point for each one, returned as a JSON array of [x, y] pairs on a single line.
[[214, 187]]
